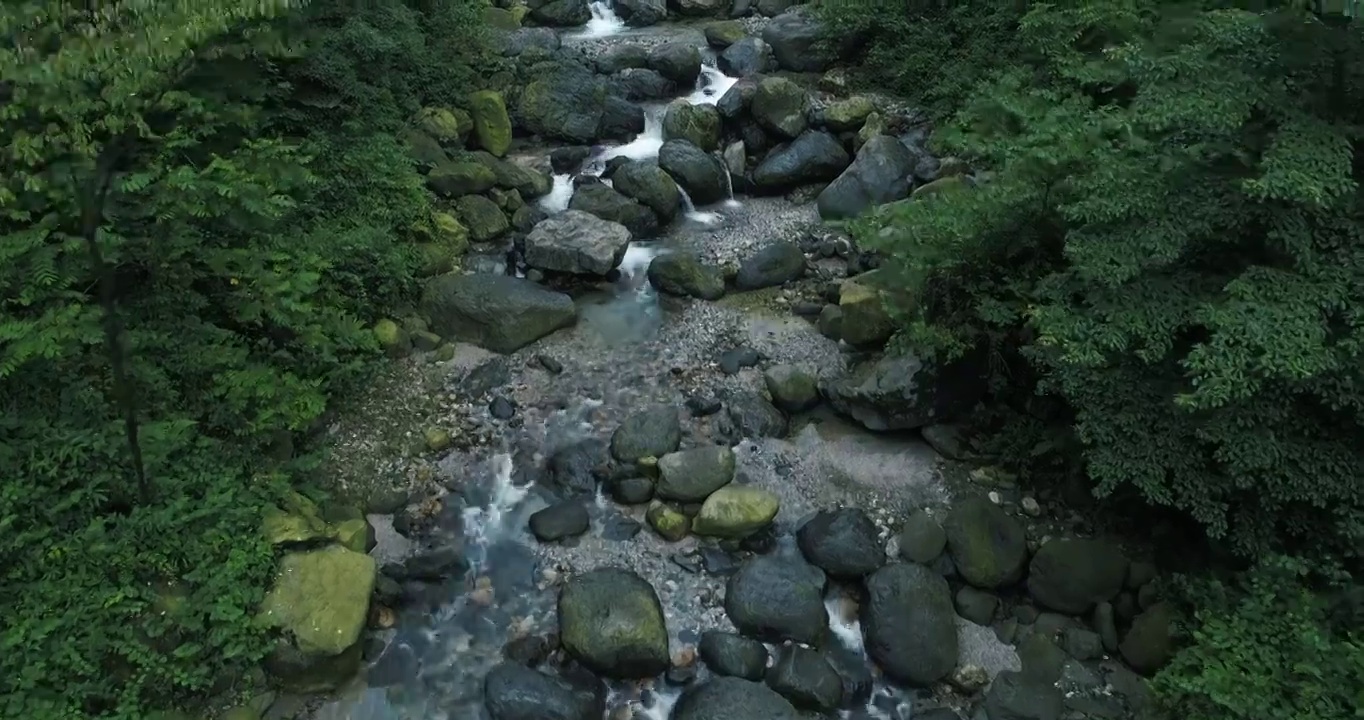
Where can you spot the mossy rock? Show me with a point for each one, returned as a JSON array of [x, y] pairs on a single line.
[[298, 522], [449, 231], [952, 183], [321, 598], [453, 179], [736, 511], [483, 217], [501, 19], [867, 322], [444, 353], [437, 439], [393, 339], [436, 259], [425, 340], [611, 621], [423, 149], [355, 535], [509, 200], [447, 126], [724, 33], [492, 124], [849, 114], [240, 713], [670, 523], [872, 126], [530, 183]]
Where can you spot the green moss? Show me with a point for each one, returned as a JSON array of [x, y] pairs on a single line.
[[492, 126]]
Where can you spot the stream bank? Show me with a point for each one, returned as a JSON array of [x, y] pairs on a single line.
[[680, 396]]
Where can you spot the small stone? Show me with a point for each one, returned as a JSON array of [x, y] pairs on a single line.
[[669, 522], [502, 408], [437, 439], [1030, 506], [970, 678], [995, 497]]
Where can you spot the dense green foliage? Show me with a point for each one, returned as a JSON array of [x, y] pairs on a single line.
[[202, 208], [1165, 258]]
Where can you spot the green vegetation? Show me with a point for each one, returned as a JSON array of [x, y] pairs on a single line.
[[203, 208], [1166, 261]]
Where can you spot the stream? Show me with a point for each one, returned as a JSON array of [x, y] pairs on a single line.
[[632, 347]]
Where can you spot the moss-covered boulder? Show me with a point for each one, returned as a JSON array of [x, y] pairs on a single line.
[[989, 548], [500, 313], [319, 600], [953, 183], [356, 535], [529, 182], [792, 388], [736, 511], [298, 522], [423, 149], [447, 126], [482, 216], [723, 33], [492, 124], [393, 339], [872, 126], [698, 124], [453, 179], [669, 522], [501, 18], [866, 319], [692, 475], [684, 274], [437, 439], [612, 622], [779, 107], [849, 114]]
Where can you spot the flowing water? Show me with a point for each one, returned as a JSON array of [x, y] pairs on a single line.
[[630, 346]]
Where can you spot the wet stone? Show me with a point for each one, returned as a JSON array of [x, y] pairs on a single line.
[[618, 528], [734, 655], [732, 361], [502, 408]]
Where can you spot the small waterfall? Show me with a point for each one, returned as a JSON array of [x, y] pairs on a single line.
[[485, 525], [559, 195], [729, 188], [711, 85], [604, 22], [634, 267], [847, 630], [691, 213], [645, 146]]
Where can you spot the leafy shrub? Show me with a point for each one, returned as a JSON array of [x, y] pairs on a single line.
[[1266, 646]]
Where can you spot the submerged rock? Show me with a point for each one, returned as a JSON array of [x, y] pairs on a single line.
[[515, 692], [729, 698], [611, 620]]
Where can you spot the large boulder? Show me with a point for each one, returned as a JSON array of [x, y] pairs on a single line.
[[645, 182], [814, 157], [692, 475], [987, 545], [775, 599], [612, 622], [320, 600], [684, 274], [865, 302], [843, 543], [560, 13], [484, 219], [622, 57], [454, 179], [563, 102], [677, 61], [723, 33], [728, 654], [500, 313], [909, 624], [774, 264], [540, 39], [880, 174], [576, 242], [748, 415], [1020, 696], [698, 124], [620, 118], [735, 512], [698, 8], [729, 698], [603, 201], [738, 100], [516, 692], [492, 124], [902, 392], [748, 56], [699, 173], [642, 84], [528, 182], [779, 106], [1070, 575], [653, 431], [849, 114], [1150, 643], [641, 13], [795, 39], [447, 126], [805, 677]]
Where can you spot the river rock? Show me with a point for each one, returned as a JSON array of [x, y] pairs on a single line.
[[865, 302], [724, 33], [516, 692], [748, 415], [842, 543], [482, 217], [500, 313], [775, 264], [909, 624], [795, 39], [677, 61], [792, 388], [922, 539], [620, 118], [621, 57], [680, 273], [729, 698], [574, 241], [849, 114], [1150, 644], [737, 101], [603, 201], [563, 101], [814, 157], [670, 523], [975, 605], [746, 57], [321, 599], [642, 84], [698, 124], [641, 13], [645, 182], [698, 8], [492, 124], [1016, 695], [560, 13], [632, 490], [564, 519], [774, 598], [530, 183], [779, 106], [698, 172], [880, 174], [540, 39], [902, 392], [692, 475], [988, 546], [806, 678], [610, 620], [454, 179], [727, 654], [651, 432], [736, 511], [1070, 575]]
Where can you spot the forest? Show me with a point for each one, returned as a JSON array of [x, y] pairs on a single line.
[[205, 207]]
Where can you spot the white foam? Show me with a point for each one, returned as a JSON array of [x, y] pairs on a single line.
[[848, 631], [485, 525], [559, 195], [604, 22], [711, 85], [691, 213]]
